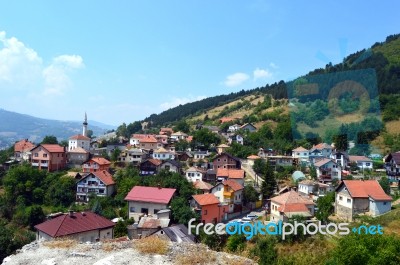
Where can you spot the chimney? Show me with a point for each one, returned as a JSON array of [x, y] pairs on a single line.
[[71, 213]]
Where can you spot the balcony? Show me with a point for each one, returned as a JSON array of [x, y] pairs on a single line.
[[35, 164], [44, 164], [228, 193]]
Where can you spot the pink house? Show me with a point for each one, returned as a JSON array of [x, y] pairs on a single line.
[[50, 157]]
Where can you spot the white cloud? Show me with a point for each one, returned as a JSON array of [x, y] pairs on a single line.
[[179, 101], [261, 73], [272, 65], [21, 68], [235, 79]]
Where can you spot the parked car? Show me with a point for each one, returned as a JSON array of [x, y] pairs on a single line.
[[246, 220], [252, 217]]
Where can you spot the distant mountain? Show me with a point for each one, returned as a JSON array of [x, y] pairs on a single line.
[[15, 126]]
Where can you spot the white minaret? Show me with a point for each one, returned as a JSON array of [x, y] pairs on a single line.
[[84, 133]]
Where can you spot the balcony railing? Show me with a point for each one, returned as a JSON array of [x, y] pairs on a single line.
[[35, 164]]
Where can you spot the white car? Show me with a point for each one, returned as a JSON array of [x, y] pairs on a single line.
[[252, 216], [246, 220]]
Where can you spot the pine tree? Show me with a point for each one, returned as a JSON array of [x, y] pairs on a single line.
[[269, 184]]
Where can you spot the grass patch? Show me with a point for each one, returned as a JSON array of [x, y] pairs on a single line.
[[152, 245], [61, 243], [201, 256]]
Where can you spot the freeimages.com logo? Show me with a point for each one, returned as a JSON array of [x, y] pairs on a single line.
[[283, 229]]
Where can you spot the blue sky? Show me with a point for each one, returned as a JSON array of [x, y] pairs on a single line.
[[122, 60]]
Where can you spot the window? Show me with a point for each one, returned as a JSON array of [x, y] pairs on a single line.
[[36, 155], [367, 164], [44, 155], [218, 160], [132, 209], [340, 198], [384, 203], [348, 200]]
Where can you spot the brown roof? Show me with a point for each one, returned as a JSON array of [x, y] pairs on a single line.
[[65, 224], [226, 119], [365, 189], [100, 160], [155, 162], [254, 157], [290, 197], [233, 184], [206, 199], [300, 149], [105, 177], [293, 207], [79, 137], [322, 162], [23, 145], [53, 148], [78, 150], [150, 194], [359, 158], [148, 139], [230, 173], [202, 185]]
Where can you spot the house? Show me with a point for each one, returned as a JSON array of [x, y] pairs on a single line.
[[354, 197], [251, 159], [248, 127], [171, 166], [100, 183], [231, 193], [22, 150], [234, 174], [233, 128], [147, 226], [163, 154], [327, 170], [308, 187], [209, 208], [77, 156], [225, 160], [222, 148], [237, 138], [166, 131], [301, 153], [132, 156], [210, 176], [162, 139], [200, 155], [202, 186], [341, 158], [149, 166], [392, 164], [79, 141], [179, 136], [148, 200], [214, 129], [362, 162], [290, 204], [145, 141], [279, 160], [50, 157], [82, 226], [96, 164], [324, 148], [194, 174]]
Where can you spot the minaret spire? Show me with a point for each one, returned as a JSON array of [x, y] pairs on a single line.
[[85, 124]]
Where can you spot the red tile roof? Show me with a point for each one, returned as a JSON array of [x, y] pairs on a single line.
[[155, 162], [206, 199], [300, 149], [253, 157], [100, 161], [202, 185], [322, 162], [359, 158], [23, 145], [293, 207], [226, 119], [105, 177], [290, 197], [65, 225], [322, 146], [230, 173], [150, 194], [233, 185], [78, 150], [79, 137], [53, 148], [148, 139], [365, 189]]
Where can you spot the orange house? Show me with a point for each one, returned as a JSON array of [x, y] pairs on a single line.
[[209, 208], [96, 164], [50, 157]]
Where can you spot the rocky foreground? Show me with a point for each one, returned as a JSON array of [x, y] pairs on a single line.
[[119, 252]]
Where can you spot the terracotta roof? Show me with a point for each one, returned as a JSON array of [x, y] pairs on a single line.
[[78, 150], [138, 136], [300, 149], [233, 185], [105, 177], [150, 194], [202, 185], [79, 137], [100, 160], [365, 189], [23, 145], [166, 130], [53, 148], [322, 162], [290, 197], [254, 157], [359, 158], [206, 199], [155, 162], [189, 138], [226, 119], [293, 207], [148, 139], [322, 146], [65, 225], [230, 173]]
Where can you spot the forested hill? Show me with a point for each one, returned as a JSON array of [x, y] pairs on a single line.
[[383, 57]]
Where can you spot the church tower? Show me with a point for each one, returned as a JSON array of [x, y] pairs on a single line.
[[85, 124]]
